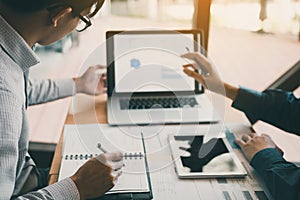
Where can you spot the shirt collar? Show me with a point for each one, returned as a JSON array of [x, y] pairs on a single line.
[[16, 47]]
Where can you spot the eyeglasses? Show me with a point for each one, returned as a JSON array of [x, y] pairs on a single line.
[[84, 23]]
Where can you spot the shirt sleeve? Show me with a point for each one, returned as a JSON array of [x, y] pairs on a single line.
[[64, 189], [282, 178], [10, 129], [48, 90], [276, 107]]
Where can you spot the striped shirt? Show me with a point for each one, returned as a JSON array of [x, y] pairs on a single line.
[[16, 93]]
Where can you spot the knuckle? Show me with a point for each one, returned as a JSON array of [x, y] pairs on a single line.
[[111, 178], [109, 169], [113, 184], [104, 157]]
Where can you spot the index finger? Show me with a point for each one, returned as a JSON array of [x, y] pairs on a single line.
[[193, 56], [117, 165], [239, 142], [100, 67], [100, 71], [189, 55]]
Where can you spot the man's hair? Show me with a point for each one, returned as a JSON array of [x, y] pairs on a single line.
[[28, 6]]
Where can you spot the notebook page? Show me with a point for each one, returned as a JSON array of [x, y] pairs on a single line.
[[134, 177], [80, 144], [84, 139]]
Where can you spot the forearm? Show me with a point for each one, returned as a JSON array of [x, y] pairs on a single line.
[[231, 91], [282, 178], [49, 90], [79, 85]]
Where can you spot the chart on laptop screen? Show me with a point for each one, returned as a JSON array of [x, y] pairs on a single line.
[[152, 62]]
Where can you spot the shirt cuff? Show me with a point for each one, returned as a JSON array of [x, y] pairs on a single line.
[[64, 189], [265, 158], [66, 87]]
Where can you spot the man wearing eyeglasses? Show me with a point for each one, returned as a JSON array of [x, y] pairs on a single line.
[[23, 23]]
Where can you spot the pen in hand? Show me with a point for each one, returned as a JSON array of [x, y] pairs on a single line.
[[99, 146], [203, 68]]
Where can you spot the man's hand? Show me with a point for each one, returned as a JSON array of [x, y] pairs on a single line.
[[98, 175], [92, 82], [253, 143]]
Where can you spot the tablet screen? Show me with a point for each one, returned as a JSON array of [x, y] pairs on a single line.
[[194, 157]]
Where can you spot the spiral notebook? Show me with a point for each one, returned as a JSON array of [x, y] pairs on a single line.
[[80, 144]]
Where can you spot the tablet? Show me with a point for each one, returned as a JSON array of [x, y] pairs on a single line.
[[195, 158]]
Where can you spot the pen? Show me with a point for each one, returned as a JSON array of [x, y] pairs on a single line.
[[202, 67], [99, 146]]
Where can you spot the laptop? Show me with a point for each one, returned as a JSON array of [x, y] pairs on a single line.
[[145, 81]]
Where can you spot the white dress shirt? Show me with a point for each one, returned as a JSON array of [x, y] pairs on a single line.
[[16, 93]]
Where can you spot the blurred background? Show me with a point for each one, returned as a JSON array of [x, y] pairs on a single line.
[[246, 37], [274, 16]]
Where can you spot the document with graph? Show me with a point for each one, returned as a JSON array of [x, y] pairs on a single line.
[[80, 144]]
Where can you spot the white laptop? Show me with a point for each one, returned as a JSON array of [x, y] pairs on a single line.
[[145, 81]]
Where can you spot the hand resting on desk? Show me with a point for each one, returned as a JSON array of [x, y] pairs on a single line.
[[98, 175], [253, 143]]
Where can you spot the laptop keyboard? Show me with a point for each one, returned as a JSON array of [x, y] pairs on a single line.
[[169, 102]]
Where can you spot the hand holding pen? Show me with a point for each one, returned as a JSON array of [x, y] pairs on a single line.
[[98, 174], [101, 148]]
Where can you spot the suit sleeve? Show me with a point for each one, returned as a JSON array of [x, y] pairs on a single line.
[[282, 178], [276, 107]]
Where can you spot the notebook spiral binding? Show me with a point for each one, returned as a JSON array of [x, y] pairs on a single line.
[[135, 155], [130, 156]]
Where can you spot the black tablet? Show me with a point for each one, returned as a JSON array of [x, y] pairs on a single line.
[[196, 158]]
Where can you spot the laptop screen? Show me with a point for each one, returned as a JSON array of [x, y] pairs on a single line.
[[146, 62]]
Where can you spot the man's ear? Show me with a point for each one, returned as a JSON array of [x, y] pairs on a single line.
[[58, 14]]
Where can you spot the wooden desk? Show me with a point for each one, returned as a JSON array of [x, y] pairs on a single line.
[[165, 184], [87, 115]]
